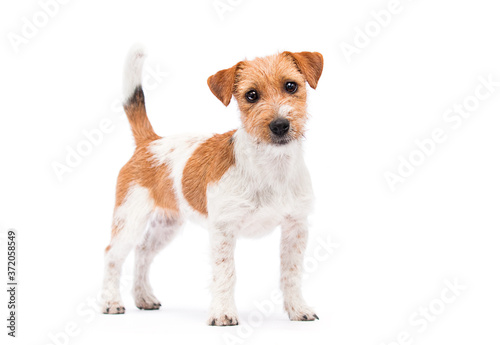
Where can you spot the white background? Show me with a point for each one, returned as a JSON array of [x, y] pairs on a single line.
[[395, 249]]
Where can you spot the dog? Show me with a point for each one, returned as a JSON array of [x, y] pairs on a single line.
[[245, 182]]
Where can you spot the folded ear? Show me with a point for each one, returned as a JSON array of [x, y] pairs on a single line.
[[222, 84], [309, 64]]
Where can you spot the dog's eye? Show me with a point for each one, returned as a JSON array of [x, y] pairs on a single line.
[[252, 96], [290, 86]]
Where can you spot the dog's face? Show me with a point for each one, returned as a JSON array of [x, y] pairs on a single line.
[[271, 93]]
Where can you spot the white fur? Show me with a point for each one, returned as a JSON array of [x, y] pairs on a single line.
[[284, 110], [132, 75], [267, 183], [161, 231], [131, 218]]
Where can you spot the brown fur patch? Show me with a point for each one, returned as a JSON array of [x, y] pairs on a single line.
[[135, 108], [142, 169], [115, 230], [208, 163]]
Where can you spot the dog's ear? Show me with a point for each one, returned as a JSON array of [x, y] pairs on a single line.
[[222, 84], [309, 64]]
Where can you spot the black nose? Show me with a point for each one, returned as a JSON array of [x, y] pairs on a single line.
[[279, 126]]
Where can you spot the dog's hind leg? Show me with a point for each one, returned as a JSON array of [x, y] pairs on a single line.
[[161, 230], [129, 225]]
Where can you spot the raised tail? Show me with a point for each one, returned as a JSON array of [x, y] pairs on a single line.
[[134, 104]]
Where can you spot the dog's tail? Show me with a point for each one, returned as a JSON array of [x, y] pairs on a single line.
[[134, 104]]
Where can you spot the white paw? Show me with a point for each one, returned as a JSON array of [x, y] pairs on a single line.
[[147, 301], [223, 319], [113, 307], [300, 313]]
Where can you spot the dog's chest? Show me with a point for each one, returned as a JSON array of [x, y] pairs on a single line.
[[260, 201], [265, 185], [264, 210]]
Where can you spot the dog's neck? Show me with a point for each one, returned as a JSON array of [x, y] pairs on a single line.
[[266, 158]]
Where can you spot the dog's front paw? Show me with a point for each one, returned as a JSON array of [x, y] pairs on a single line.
[[301, 313], [146, 301], [147, 304], [304, 316], [223, 319], [113, 308]]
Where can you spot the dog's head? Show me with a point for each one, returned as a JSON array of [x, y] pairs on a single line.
[[271, 93]]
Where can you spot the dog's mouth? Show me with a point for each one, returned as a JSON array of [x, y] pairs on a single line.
[[280, 140]]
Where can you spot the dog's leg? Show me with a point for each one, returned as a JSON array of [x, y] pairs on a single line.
[[293, 245], [116, 254], [160, 232], [222, 309], [129, 226]]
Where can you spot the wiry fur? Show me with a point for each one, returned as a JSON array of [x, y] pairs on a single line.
[[240, 183]]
